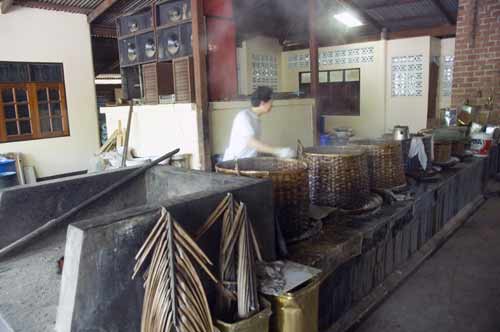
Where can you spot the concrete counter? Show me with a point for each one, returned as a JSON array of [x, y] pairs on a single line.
[[358, 255]]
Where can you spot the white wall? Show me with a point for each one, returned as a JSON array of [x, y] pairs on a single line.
[[34, 35], [371, 121], [288, 121], [158, 129], [408, 111], [259, 46]]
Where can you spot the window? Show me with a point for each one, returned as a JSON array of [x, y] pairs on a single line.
[[339, 91], [32, 101]]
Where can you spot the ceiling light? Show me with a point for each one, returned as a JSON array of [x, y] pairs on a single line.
[[348, 19]]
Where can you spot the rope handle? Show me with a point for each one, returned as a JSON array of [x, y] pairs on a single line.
[[300, 150], [237, 167]]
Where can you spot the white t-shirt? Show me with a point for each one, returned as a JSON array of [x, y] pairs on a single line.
[[246, 125]]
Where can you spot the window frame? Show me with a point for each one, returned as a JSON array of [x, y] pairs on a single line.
[[32, 88]]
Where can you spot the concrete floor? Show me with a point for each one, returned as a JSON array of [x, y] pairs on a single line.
[[456, 290]]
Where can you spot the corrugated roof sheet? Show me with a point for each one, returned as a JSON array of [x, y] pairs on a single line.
[[67, 5]]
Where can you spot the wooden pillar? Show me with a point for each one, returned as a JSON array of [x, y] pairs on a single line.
[[314, 59], [199, 42], [6, 5]]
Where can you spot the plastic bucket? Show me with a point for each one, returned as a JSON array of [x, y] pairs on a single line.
[[481, 144]]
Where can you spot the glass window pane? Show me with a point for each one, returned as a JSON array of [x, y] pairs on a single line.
[[45, 125], [42, 94], [21, 95], [54, 94], [10, 111], [13, 72], [55, 109], [11, 128], [7, 96], [25, 127], [23, 111], [57, 124], [43, 110], [46, 72]]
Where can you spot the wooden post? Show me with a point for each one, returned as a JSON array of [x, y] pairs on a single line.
[[199, 42], [314, 59], [6, 5]]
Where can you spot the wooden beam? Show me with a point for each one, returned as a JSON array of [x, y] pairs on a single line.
[[6, 5], [437, 31], [99, 10], [444, 12], [314, 60], [199, 43], [391, 3], [361, 13], [408, 18], [103, 31]]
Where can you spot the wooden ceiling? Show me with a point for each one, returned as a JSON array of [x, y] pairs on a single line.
[[286, 20]]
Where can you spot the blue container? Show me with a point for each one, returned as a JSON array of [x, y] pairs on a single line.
[[325, 139], [7, 165]]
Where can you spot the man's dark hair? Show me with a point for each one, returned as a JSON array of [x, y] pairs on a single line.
[[262, 94]]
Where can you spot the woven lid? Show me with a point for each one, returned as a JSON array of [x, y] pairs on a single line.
[[346, 151], [374, 142], [267, 165]]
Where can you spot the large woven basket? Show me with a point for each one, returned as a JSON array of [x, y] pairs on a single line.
[[413, 164], [338, 176], [442, 151], [385, 163], [290, 186]]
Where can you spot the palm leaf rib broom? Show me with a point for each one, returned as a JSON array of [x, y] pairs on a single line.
[[174, 299], [238, 251]]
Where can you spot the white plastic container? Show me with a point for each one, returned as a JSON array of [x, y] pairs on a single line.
[[481, 144]]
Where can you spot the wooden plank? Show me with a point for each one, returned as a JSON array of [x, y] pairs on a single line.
[[443, 12], [314, 60], [199, 37], [99, 10], [6, 5]]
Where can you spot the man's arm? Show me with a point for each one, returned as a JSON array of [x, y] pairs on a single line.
[[261, 147]]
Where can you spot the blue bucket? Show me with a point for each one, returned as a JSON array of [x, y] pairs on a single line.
[[7, 165]]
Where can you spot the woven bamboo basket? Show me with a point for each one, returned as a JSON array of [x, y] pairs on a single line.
[[385, 163], [442, 151], [290, 187], [413, 164], [338, 176]]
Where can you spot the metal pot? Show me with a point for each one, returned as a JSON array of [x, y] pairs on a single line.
[[400, 133]]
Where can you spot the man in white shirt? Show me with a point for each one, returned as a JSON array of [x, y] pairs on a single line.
[[246, 131]]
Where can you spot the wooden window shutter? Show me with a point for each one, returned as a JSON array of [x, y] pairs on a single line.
[[184, 79], [150, 81]]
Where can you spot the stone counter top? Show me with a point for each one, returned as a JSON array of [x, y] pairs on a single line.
[[344, 238]]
